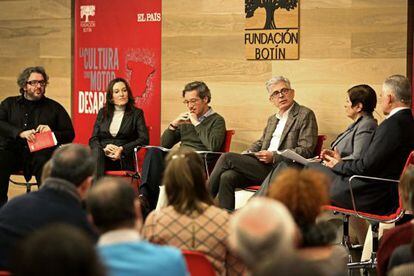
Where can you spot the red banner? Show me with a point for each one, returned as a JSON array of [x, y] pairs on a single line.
[[116, 39]]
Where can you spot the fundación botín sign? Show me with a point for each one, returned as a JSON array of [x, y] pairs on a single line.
[[272, 29]]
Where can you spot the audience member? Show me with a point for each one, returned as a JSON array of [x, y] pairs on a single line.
[[191, 221], [304, 193], [401, 234], [56, 249], [354, 141], [403, 254], [116, 212], [263, 232], [385, 157], [199, 128], [293, 127], [58, 200], [21, 117], [119, 128]]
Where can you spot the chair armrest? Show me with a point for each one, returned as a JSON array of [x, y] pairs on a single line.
[[384, 180]]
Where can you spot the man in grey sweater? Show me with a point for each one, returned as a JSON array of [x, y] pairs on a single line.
[[199, 128]]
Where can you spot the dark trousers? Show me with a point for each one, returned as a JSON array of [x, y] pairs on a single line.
[[13, 160], [264, 187], [104, 163], [151, 175], [233, 171]]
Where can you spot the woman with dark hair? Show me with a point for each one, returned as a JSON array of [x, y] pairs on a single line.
[[191, 221], [119, 128], [304, 193], [353, 142]]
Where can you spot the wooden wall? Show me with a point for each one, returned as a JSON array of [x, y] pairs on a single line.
[[36, 32], [343, 43]]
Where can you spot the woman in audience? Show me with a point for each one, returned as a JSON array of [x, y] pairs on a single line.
[[402, 234], [119, 128], [191, 221], [304, 193]]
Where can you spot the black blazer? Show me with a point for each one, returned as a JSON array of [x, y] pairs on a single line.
[[132, 133], [391, 144]]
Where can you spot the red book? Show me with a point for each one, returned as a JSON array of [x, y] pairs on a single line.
[[42, 140]]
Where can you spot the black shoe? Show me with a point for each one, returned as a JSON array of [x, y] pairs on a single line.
[[145, 206]]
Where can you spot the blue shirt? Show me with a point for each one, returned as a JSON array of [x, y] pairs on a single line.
[[142, 258]]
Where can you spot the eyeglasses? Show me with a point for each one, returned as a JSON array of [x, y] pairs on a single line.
[[282, 91], [35, 82], [192, 101]]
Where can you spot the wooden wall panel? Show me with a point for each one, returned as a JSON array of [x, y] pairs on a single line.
[[343, 43], [36, 32]]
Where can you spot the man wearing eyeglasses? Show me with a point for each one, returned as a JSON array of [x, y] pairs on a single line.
[[292, 127], [199, 128], [21, 117]]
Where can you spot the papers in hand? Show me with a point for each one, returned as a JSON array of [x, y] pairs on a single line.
[[296, 157], [42, 140]]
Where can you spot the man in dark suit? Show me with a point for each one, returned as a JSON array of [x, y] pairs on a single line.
[[293, 127], [390, 146], [58, 200]]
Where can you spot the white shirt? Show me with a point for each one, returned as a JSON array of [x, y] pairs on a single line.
[[203, 117], [117, 120], [395, 110], [119, 236], [277, 134]]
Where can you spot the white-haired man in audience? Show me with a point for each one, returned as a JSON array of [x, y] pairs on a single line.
[[263, 234], [116, 212]]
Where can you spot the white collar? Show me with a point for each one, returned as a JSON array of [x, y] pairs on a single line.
[[119, 236], [285, 114], [395, 110]]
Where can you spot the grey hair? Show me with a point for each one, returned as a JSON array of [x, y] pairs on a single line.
[[255, 237], [400, 87], [275, 80]]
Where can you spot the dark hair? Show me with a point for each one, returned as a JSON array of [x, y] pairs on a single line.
[[109, 105], [57, 249], [111, 204], [185, 181], [72, 162], [365, 95], [201, 88], [24, 76]]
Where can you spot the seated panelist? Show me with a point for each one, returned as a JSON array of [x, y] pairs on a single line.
[[354, 141], [119, 128], [293, 127]]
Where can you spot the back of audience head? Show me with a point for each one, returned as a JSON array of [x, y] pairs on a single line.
[[304, 193], [73, 163], [47, 168], [399, 86], [113, 205], [365, 95], [57, 249], [262, 230], [406, 188], [185, 181]]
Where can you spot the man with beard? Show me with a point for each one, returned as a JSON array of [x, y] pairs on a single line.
[[21, 117]]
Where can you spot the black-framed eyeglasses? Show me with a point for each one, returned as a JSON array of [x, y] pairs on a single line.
[[192, 101], [36, 82], [278, 93]]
